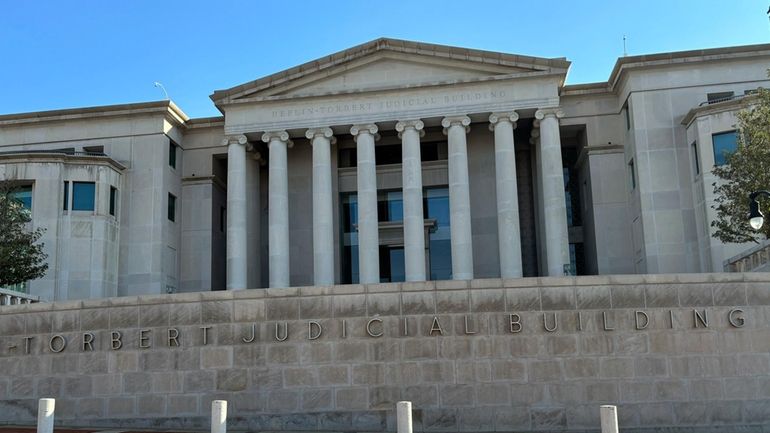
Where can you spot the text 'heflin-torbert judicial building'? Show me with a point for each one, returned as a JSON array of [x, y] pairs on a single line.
[[389, 202]]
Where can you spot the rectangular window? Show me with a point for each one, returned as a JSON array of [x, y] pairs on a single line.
[[83, 196], [222, 218], [113, 199], [631, 174], [24, 195], [172, 154], [66, 195], [724, 144], [713, 98], [696, 164], [171, 207]]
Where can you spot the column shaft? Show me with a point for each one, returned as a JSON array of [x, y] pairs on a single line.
[[554, 203], [236, 254], [459, 198], [414, 222], [278, 209], [323, 214], [368, 226], [508, 231]]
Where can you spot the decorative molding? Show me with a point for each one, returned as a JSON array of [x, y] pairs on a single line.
[[450, 121], [325, 132], [282, 136], [403, 125], [365, 128], [510, 116]]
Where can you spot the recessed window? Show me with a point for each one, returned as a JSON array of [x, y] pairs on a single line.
[[23, 194], [696, 164], [627, 114], [171, 207], [724, 144], [113, 200], [222, 218], [66, 195], [631, 174], [172, 154], [83, 196]]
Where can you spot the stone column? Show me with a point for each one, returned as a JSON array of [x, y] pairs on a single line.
[[368, 226], [236, 254], [554, 204], [508, 231], [323, 214], [459, 197], [410, 132], [278, 208]]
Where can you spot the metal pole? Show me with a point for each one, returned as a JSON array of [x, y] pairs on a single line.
[[219, 416], [45, 411], [609, 417], [404, 416]]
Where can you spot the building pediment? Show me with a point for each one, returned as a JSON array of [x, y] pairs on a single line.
[[389, 64]]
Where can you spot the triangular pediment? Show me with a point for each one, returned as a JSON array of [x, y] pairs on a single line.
[[386, 64]]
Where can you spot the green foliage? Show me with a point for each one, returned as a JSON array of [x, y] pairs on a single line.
[[21, 256], [747, 170]]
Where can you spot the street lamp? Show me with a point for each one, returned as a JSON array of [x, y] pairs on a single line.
[[756, 219]]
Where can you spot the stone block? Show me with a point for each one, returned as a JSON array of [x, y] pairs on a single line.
[[151, 404], [422, 396], [369, 421], [333, 375], [648, 366], [335, 421], [740, 388], [593, 297], [349, 305], [384, 397], [266, 378], [705, 389], [351, 398], [661, 296], [124, 317], [383, 304], [514, 418], [725, 412], [657, 413], [557, 298], [418, 303], [441, 420], [39, 323], [544, 371], [523, 299], [487, 300], [557, 345], [155, 360], [437, 372], [105, 384], [217, 312], [670, 390], [476, 419], [691, 413], [22, 387], [121, 406], [602, 392], [580, 367], [283, 401], [415, 349], [249, 310], [351, 351], [617, 367], [627, 297], [249, 355], [196, 381], [78, 386], [232, 380], [548, 418], [300, 377], [47, 387], [185, 314], [179, 404], [508, 370], [385, 350], [636, 391], [216, 357], [317, 307], [90, 407], [314, 400], [695, 295], [453, 301], [565, 393], [151, 316], [66, 321], [730, 294], [493, 394]]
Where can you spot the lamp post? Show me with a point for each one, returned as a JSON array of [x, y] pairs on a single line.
[[756, 219]]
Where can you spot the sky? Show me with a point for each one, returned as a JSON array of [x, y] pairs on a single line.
[[67, 54]]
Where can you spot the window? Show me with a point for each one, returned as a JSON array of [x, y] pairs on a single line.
[[390, 206], [222, 218], [171, 207], [724, 144], [713, 98], [696, 164], [172, 154], [628, 116], [66, 195], [83, 196], [113, 199], [436, 206], [631, 174], [24, 195]]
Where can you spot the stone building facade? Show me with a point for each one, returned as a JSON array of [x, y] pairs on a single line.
[[389, 161]]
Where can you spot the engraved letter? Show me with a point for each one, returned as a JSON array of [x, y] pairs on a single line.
[[641, 315], [313, 335], [702, 319], [27, 340], [62, 344], [607, 327], [580, 321], [671, 317], [205, 330], [173, 337], [116, 341], [369, 327], [144, 339], [253, 334], [344, 329], [555, 322], [88, 339], [436, 327], [406, 327], [735, 321], [515, 321], [285, 331], [467, 328]]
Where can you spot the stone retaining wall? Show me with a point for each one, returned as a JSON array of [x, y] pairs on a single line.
[[480, 355]]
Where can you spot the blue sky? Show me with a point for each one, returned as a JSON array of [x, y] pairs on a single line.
[[63, 54]]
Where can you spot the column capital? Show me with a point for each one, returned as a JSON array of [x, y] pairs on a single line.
[[234, 139], [549, 112], [326, 132], [450, 121], [417, 125], [271, 136], [366, 128], [510, 116]]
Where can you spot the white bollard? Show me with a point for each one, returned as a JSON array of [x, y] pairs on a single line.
[[404, 416], [609, 417], [45, 409], [219, 416]]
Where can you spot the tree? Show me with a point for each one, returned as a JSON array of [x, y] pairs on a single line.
[[21, 256], [746, 170]]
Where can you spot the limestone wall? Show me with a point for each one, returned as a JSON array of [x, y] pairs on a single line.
[[352, 351]]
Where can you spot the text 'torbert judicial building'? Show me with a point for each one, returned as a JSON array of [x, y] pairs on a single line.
[[388, 161]]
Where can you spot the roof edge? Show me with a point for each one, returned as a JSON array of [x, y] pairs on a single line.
[[98, 111]]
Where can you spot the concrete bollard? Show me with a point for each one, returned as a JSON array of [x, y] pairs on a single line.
[[219, 416], [404, 416], [609, 417], [45, 409]]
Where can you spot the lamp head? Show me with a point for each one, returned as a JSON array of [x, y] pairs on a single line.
[[756, 219]]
